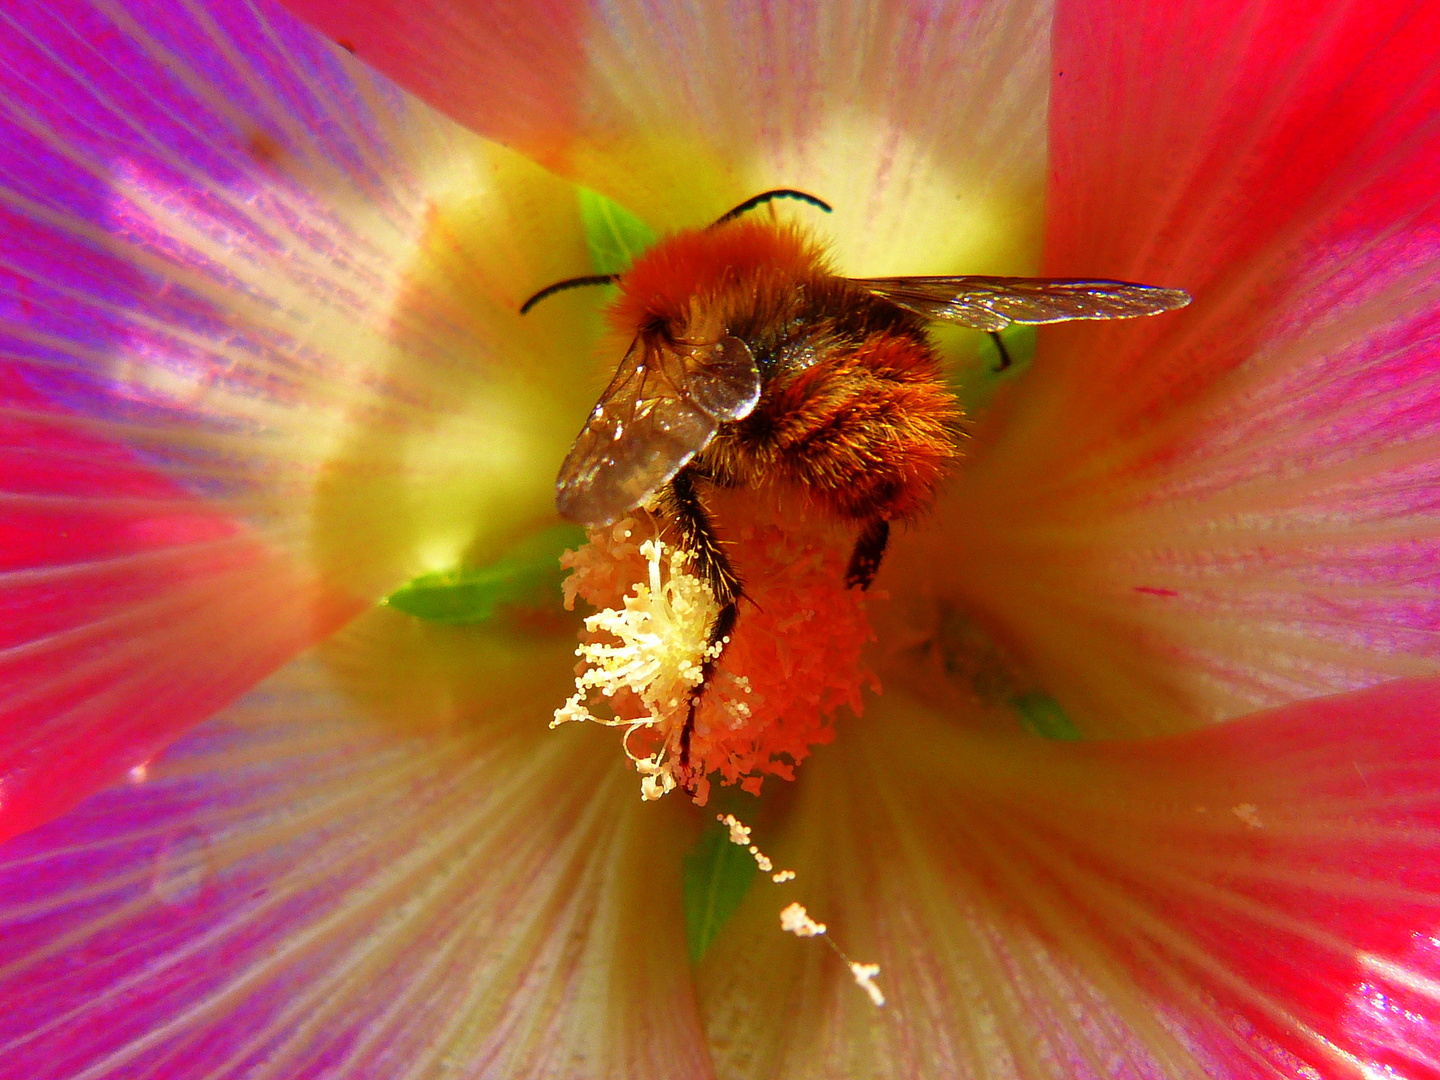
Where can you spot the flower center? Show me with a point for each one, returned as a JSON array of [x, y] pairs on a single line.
[[792, 660]]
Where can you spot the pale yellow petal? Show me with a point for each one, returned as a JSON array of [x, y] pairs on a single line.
[[923, 125]]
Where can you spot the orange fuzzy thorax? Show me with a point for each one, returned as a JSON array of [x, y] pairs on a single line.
[[708, 267], [854, 407]]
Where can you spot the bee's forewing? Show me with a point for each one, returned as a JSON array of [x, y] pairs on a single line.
[[662, 408], [992, 303], [723, 379]]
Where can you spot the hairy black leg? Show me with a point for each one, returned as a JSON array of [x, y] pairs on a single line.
[[1004, 353], [724, 624], [714, 567], [869, 550], [701, 543]]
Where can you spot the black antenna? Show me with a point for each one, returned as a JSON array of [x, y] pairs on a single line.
[[568, 283], [764, 197], [744, 208]]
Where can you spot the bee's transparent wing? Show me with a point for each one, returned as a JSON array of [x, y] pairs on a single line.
[[663, 407], [722, 379], [992, 303]]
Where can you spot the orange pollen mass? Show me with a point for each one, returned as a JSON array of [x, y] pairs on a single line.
[[793, 659]]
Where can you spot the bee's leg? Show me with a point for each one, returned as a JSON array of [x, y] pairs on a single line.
[[1004, 353], [724, 624], [714, 566], [869, 550], [701, 543]]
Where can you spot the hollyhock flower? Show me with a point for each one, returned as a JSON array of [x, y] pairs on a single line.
[[263, 367]]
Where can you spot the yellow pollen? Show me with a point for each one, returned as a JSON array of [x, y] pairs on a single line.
[[794, 918], [1249, 813], [772, 686], [656, 649], [739, 834], [864, 978]]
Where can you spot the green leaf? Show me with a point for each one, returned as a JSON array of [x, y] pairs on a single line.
[[1019, 343], [613, 234], [1042, 715], [717, 875], [529, 573], [973, 359]]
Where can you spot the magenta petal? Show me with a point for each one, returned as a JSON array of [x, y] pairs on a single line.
[[514, 72], [922, 123], [254, 365], [1260, 898], [1190, 517], [1287, 888], [142, 583], [133, 609], [1275, 158]]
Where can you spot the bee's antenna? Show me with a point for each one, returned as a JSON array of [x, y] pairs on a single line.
[[764, 197], [568, 283]]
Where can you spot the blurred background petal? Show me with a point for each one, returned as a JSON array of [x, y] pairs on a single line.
[[259, 364], [1183, 519], [901, 114], [1259, 898], [262, 364], [345, 874]]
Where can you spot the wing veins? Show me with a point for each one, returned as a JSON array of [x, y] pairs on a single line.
[[661, 408], [992, 303]]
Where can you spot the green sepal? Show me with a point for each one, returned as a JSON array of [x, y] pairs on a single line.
[[717, 876], [528, 574], [1042, 715], [613, 234]]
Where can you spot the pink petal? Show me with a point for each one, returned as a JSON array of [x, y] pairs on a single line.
[[922, 123], [258, 366], [1257, 899], [1275, 165], [1189, 517], [134, 609], [512, 72], [343, 875]]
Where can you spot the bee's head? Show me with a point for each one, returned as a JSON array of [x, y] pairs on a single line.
[[705, 275]]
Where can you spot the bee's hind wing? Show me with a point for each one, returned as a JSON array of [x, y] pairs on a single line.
[[992, 303], [663, 407]]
